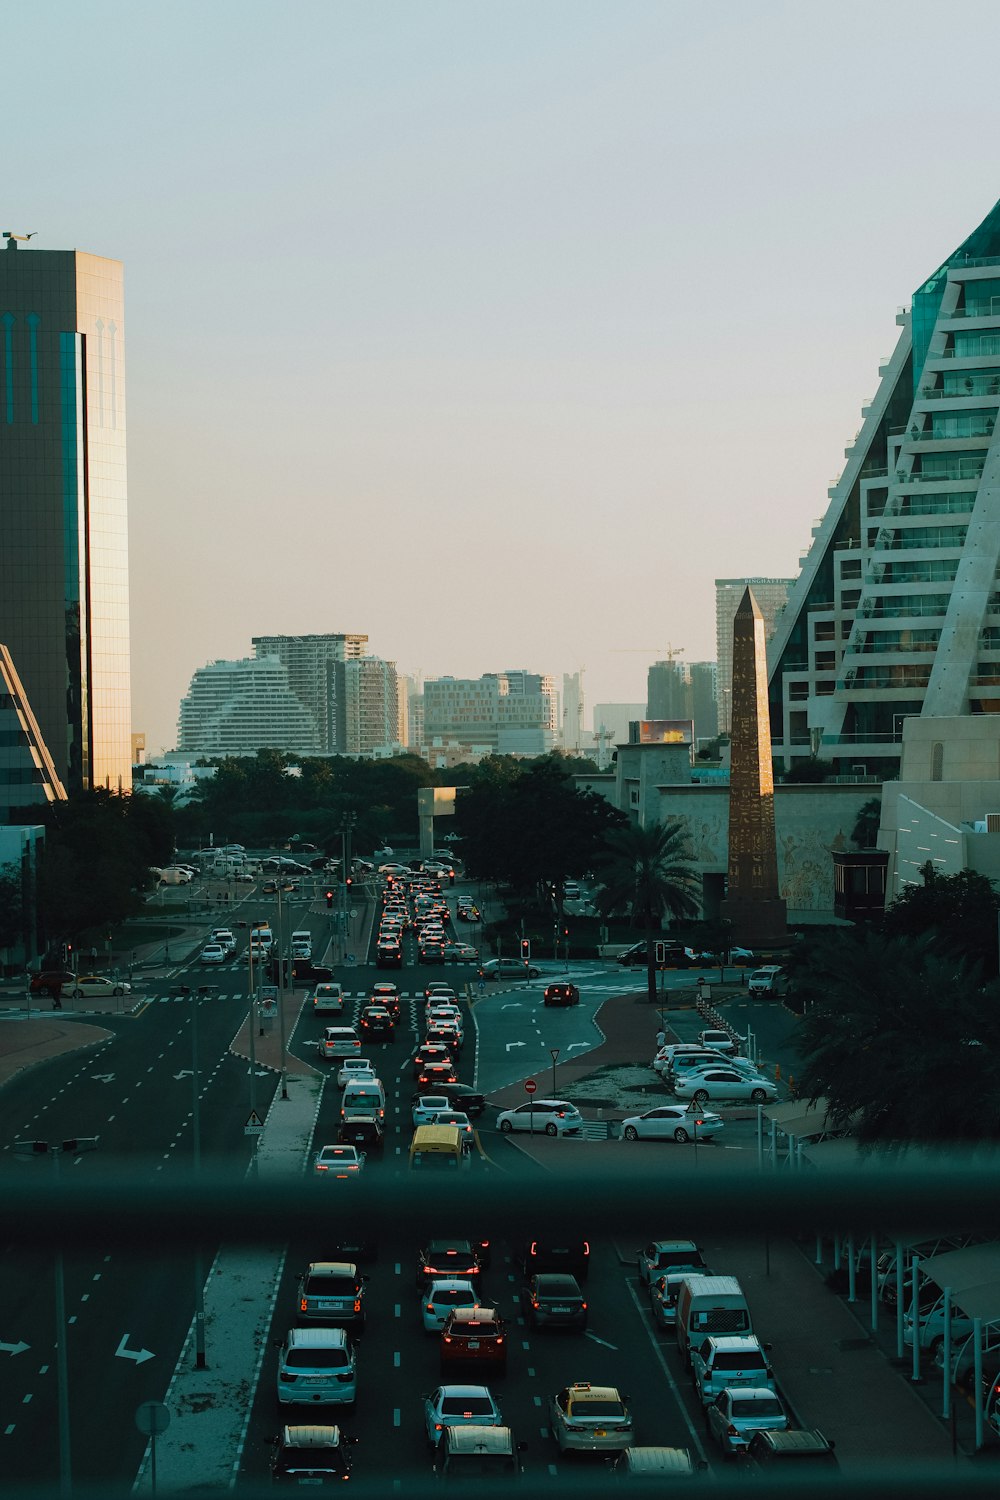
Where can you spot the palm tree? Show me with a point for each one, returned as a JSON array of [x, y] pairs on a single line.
[[648, 871]]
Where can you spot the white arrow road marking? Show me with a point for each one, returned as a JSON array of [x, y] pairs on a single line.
[[511, 1005], [573, 1045], [17, 1348], [515, 1044], [599, 1341], [185, 1073], [139, 1355], [103, 1077]]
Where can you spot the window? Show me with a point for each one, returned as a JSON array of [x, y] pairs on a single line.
[[937, 760]]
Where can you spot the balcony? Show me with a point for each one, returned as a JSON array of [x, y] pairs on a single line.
[[959, 472]]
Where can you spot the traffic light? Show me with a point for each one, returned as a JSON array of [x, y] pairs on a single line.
[[329, 900], [349, 882], [525, 949], [660, 952]]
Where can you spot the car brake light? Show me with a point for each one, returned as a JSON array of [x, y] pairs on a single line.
[[534, 1302], [447, 1338], [500, 1339], [732, 1431], [586, 1247], [430, 1307], [303, 1304], [584, 1306], [357, 1304]]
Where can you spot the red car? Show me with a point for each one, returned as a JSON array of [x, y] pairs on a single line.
[[51, 980], [474, 1335]]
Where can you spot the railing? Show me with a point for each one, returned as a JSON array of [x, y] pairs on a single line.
[[990, 387], [873, 737], [986, 309], [906, 542], [921, 477], [941, 505], [883, 682]]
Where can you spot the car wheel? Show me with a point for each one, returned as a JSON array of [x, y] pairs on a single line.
[[681, 1136], [701, 1095], [506, 1127], [534, 973], [630, 1133], [76, 994], [758, 1096], [550, 1128], [43, 989], [118, 990]]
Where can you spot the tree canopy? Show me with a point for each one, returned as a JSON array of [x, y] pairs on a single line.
[[648, 872], [959, 911], [902, 1039]]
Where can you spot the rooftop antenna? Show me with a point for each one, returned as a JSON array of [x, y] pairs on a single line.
[[13, 238]]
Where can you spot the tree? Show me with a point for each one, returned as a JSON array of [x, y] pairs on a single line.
[[960, 911], [648, 872], [864, 834], [11, 905], [810, 770], [901, 1039]]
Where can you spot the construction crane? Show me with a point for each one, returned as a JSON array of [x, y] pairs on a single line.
[[667, 655]]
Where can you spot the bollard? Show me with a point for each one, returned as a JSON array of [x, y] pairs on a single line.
[[777, 1072]]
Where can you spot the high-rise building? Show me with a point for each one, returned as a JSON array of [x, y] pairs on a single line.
[[573, 706], [64, 591], [513, 713], [367, 705], [668, 691], [310, 661], [27, 775], [240, 707], [703, 677], [771, 595], [896, 611]]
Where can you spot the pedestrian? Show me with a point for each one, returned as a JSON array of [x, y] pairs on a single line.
[[661, 1038], [57, 995]]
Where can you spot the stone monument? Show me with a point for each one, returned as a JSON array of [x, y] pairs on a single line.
[[752, 904]]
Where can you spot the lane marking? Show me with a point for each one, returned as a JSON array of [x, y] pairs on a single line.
[[644, 1317]]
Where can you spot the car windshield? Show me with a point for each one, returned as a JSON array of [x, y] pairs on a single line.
[[597, 1409], [467, 1406], [317, 1359], [749, 1361], [762, 1408], [557, 1287]]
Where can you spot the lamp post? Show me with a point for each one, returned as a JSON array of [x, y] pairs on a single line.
[[54, 1149], [281, 995]]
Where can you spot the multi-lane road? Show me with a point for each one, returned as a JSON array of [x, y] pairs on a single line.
[[128, 1313]]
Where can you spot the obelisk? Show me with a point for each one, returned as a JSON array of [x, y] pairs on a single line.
[[752, 904]]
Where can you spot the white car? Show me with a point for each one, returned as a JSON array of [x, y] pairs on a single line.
[[725, 1083], [328, 999], [735, 1415], [718, 1040], [97, 984], [427, 1107], [542, 1116], [661, 1256], [213, 953], [338, 1161], [224, 936], [442, 1297], [459, 1406], [590, 1418], [707, 1057], [352, 1068], [672, 1122]]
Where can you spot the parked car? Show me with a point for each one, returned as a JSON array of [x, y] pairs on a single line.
[[735, 1415], [729, 1362], [792, 1455], [725, 1083], [660, 1256], [672, 1122], [548, 1116]]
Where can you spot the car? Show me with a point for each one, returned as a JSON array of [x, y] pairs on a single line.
[[269, 888], [225, 936], [508, 968], [317, 1366], [442, 991], [377, 1024], [388, 955], [659, 1256], [441, 1297], [567, 1256], [671, 1122], [328, 999], [460, 953], [447, 1259], [432, 953], [87, 985], [728, 1362], [542, 1116], [49, 981], [675, 955], [426, 1108], [434, 1074], [735, 1415], [695, 1059], [464, 1096], [561, 994], [329, 1293], [718, 1040], [354, 1067], [663, 1293], [367, 1132], [430, 1052], [313, 1455], [590, 1418], [554, 1300], [338, 1042], [461, 1121], [725, 1083], [664, 1466], [474, 1335], [790, 1454], [444, 1034], [338, 1161], [459, 1406]]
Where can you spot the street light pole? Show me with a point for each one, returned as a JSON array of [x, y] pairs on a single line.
[[281, 994]]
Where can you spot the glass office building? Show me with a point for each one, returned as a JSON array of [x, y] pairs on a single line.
[[64, 600]]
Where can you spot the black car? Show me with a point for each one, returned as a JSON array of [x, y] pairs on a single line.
[[554, 1300], [675, 956], [445, 1258], [364, 1131], [311, 1455], [571, 1257], [377, 1025], [464, 1096], [561, 994]]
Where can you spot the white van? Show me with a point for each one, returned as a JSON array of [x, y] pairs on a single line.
[[363, 1096], [768, 980], [707, 1305]]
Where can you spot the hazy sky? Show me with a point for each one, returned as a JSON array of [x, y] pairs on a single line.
[[496, 330]]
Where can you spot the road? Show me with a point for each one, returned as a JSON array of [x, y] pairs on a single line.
[[128, 1314]]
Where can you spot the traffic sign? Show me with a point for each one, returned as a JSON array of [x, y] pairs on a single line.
[[254, 1125], [152, 1418], [530, 1085]]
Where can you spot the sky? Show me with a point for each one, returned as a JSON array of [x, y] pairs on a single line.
[[494, 329]]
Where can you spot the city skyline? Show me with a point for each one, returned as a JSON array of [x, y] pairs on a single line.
[[450, 314]]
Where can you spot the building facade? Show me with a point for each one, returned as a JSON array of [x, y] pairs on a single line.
[[310, 661], [573, 710], [240, 707], [64, 589], [771, 595], [511, 713], [28, 776], [367, 706], [896, 612]]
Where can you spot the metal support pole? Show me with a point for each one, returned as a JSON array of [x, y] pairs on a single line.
[[760, 1138], [199, 1272], [873, 1271], [900, 1345], [915, 1317], [852, 1270], [977, 1371], [946, 1357], [62, 1363], [281, 997]]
